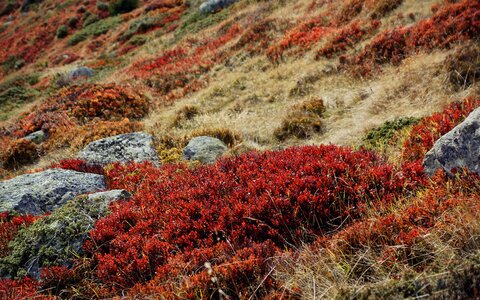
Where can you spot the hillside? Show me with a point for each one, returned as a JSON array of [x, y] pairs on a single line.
[[322, 110]]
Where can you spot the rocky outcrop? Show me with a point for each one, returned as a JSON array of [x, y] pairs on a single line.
[[45, 191], [136, 147], [211, 6], [459, 148], [58, 238], [204, 149]]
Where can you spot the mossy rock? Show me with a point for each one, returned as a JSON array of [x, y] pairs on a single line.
[[57, 238]]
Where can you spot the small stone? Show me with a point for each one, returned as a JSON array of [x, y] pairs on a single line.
[[37, 137], [204, 149]]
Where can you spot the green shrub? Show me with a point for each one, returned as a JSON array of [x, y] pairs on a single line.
[[122, 6], [101, 6], [95, 29], [89, 19], [72, 22], [140, 26], [62, 31], [138, 40], [12, 63], [382, 135], [14, 93]]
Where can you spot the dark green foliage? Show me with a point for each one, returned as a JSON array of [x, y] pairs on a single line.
[[122, 6], [62, 31], [383, 134], [95, 29], [12, 63], [8, 8], [72, 22], [140, 26], [16, 92], [89, 19], [101, 6]]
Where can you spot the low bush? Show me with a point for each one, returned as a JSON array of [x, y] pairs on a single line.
[[78, 137], [79, 105], [10, 224], [95, 29], [302, 121], [16, 92], [381, 136], [186, 113], [122, 6], [226, 135], [62, 31], [453, 22], [184, 226], [19, 153]]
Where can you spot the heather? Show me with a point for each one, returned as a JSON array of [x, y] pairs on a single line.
[[323, 110]]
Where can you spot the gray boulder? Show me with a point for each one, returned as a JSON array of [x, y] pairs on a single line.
[[45, 191], [204, 149], [459, 148], [58, 238], [81, 72], [37, 137], [212, 6], [123, 148]]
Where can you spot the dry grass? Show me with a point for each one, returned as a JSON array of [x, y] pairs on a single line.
[[448, 251]]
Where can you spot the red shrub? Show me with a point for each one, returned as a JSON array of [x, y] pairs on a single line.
[[180, 67], [179, 218], [303, 37], [430, 129], [347, 38], [453, 22], [9, 226], [78, 105], [79, 166], [20, 289]]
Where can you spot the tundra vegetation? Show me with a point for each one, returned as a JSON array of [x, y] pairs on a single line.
[[327, 108]]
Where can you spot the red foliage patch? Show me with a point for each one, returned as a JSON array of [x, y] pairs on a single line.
[[82, 104], [79, 165], [452, 23], [20, 289], [181, 67], [234, 214], [302, 37], [347, 38], [430, 129]]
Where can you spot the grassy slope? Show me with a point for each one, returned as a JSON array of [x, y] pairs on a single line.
[[251, 96]]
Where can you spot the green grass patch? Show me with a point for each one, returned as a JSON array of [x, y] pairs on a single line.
[[195, 22], [382, 136], [95, 29], [16, 92]]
